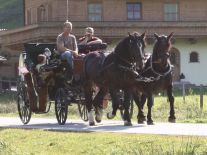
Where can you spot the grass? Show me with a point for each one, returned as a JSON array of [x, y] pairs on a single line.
[[188, 111], [43, 143], [8, 103], [50, 143], [32, 142]]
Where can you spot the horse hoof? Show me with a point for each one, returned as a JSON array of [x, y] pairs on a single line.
[[98, 120], [99, 115], [150, 122], [91, 123], [110, 115], [126, 123], [121, 107], [141, 120], [172, 120]]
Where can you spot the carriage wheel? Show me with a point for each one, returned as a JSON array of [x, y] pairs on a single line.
[[23, 104], [61, 106], [131, 108], [83, 111]]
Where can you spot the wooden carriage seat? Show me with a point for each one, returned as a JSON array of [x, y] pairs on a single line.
[[78, 65]]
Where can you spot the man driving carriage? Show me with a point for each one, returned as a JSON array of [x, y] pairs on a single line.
[[67, 46]]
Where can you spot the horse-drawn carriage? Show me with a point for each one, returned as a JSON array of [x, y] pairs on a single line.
[[39, 84], [42, 81]]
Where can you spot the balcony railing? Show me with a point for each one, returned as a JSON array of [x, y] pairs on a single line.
[[107, 29]]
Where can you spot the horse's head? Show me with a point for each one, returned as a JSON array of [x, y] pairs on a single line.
[[131, 49], [161, 50]]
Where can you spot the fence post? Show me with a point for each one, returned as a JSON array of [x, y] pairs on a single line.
[[0, 85], [183, 88], [10, 85], [201, 97]]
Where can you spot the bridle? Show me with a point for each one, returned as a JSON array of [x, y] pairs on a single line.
[[127, 65]]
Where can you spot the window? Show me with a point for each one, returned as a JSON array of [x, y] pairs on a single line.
[[29, 16], [170, 12], [134, 11], [194, 57], [94, 12], [41, 13]]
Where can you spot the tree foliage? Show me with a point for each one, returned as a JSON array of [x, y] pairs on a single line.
[[11, 14]]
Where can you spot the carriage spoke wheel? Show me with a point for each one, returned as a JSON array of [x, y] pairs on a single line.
[[23, 104], [131, 108], [83, 110], [61, 106]]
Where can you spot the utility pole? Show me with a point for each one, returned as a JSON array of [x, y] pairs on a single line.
[[67, 10]]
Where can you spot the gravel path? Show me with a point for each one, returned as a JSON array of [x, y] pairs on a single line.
[[107, 126]]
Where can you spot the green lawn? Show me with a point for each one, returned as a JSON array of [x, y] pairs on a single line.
[[38, 142], [32, 142], [188, 111]]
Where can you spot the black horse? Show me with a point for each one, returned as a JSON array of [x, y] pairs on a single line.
[[156, 76], [159, 72], [114, 71]]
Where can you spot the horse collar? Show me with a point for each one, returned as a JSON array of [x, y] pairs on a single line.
[[158, 73]]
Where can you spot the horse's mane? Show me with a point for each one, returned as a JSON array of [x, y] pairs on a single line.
[[121, 46]]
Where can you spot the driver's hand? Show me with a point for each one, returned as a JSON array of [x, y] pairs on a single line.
[[75, 54]]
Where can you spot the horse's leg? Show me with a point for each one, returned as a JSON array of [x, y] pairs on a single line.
[[172, 117], [115, 104], [98, 104], [140, 104], [88, 101], [127, 98], [150, 102]]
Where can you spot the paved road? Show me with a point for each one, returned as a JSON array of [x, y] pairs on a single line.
[[107, 126]]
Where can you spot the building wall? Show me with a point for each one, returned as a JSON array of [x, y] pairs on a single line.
[[8, 69], [193, 10], [77, 10], [194, 72], [189, 10], [32, 7], [116, 10]]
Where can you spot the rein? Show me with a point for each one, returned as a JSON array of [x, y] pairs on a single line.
[[130, 67], [152, 79], [158, 73]]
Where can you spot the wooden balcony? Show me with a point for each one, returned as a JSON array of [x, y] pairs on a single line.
[[48, 31]]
